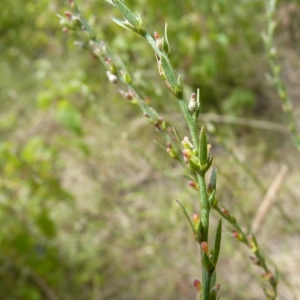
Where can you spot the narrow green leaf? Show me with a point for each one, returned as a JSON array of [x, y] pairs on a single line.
[[213, 178], [126, 12], [212, 198], [198, 104], [177, 137], [214, 292], [213, 279], [200, 232], [203, 147], [218, 242], [207, 166], [120, 23], [207, 263], [187, 217], [169, 72], [166, 45], [110, 2]]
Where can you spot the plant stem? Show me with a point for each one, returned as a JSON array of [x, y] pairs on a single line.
[[204, 205], [191, 123], [206, 279]]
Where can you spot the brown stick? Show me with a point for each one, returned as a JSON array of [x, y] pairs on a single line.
[[269, 198]]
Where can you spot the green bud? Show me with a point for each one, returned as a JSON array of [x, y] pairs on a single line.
[[214, 292], [207, 263], [193, 103]]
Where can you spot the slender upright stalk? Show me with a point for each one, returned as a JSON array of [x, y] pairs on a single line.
[[276, 78], [196, 154]]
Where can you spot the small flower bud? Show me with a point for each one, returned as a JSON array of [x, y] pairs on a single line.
[[253, 243], [158, 123], [158, 40], [267, 275], [194, 185], [225, 212], [126, 77], [186, 143], [171, 151], [111, 77], [214, 292], [68, 15], [237, 235], [271, 278], [198, 287], [96, 50], [255, 260], [204, 247], [156, 35], [130, 95], [112, 66], [76, 20], [187, 153], [196, 219], [193, 103]]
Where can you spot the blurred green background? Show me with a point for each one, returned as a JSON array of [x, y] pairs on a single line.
[[87, 202]]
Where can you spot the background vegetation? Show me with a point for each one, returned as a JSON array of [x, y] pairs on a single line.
[[87, 203]]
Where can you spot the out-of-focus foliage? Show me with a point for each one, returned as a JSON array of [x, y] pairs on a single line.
[[86, 202]]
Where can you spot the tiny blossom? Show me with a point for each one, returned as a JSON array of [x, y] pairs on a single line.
[[111, 77], [197, 285]]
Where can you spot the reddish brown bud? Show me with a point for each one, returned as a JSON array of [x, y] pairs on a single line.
[[194, 185], [68, 15], [235, 234], [267, 276], [255, 260], [225, 212], [130, 95], [204, 247], [197, 286]]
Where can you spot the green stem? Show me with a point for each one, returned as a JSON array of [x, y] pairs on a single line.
[[191, 124], [206, 279], [204, 204]]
